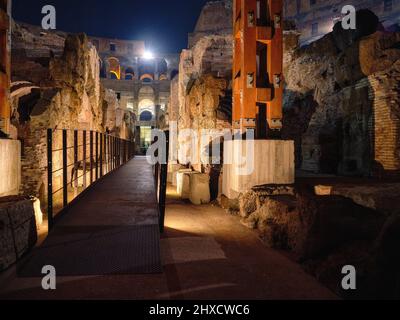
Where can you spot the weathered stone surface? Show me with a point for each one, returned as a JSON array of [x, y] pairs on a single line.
[[329, 222], [203, 100], [230, 205], [183, 182], [199, 189], [215, 18], [277, 221], [267, 162], [17, 229], [366, 23], [328, 232], [341, 105], [381, 197], [65, 93], [254, 199], [10, 167]]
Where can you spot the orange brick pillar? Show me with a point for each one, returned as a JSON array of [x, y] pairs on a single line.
[[257, 66], [4, 66]]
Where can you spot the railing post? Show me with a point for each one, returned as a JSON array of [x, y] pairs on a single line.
[[84, 159], [91, 157], [97, 155], [163, 183], [75, 166], [106, 152], [50, 178], [115, 153], [156, 170], [118, 152], [123, 152], [65, 167], [101, 155], [112, 152]]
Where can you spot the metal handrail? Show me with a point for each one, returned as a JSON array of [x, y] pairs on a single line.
[[106, 154], [161, 181]]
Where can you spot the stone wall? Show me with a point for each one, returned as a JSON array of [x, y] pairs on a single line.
[[17, 229], [323, 14], [341, 105], [202, 95], [56, 84], [215, 18]]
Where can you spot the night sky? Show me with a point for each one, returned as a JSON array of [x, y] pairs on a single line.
[[163, 24]]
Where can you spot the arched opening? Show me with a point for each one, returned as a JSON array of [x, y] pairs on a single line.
[[146, 105], [129, 74], [147, 77], [146, 72], [162, 66], [146, 116], [115, 68]]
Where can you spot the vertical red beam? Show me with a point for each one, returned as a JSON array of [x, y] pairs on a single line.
[[275, 65], [5, 111], [257, 23]]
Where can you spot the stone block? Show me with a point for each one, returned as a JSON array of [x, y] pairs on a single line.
[[183, 183], [17, 229], [268, 162], [199, 189], [172, 170], [10, 167]]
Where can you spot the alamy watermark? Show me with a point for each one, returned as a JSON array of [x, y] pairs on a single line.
[[49, 280], [205, 147], [49, 20]]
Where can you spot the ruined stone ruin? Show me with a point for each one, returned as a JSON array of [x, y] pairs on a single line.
[[280, 85]]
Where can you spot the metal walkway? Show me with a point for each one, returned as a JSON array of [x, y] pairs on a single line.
[[112, 229]]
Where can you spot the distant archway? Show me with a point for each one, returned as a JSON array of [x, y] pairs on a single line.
[[129, 74], [115, 68], [147, 77], [146, 116], [146, 71]]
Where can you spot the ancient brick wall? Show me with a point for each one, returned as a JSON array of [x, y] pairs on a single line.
[[341, 105]]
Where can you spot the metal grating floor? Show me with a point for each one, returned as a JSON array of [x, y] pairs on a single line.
[[112, 229], [123, 250]]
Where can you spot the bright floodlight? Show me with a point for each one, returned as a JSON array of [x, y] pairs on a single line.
[[148, 55]]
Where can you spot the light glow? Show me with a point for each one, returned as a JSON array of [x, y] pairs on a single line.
[[148, 55]]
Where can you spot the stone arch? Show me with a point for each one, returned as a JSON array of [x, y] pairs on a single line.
[[146, 115], [146, 105], [129, 73], [147, 77], [114, 68], [162, 66], [146, 92], [146, 70]]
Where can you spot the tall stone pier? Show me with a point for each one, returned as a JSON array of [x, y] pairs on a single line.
[[257, 99]]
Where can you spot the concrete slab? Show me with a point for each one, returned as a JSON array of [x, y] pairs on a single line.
[[257, 162]]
